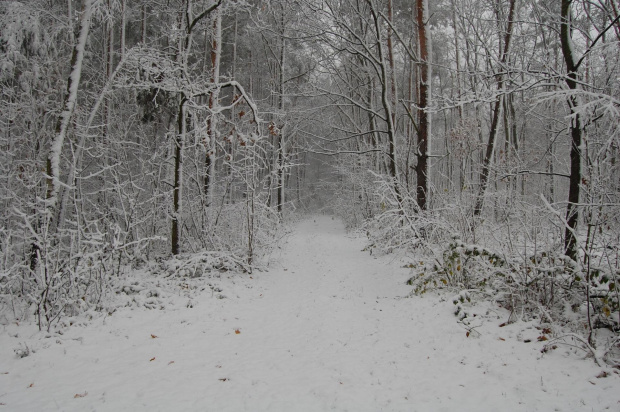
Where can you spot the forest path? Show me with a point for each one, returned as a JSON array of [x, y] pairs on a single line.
[[327, 328]]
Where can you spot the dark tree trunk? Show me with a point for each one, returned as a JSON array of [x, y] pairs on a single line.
[[424, 117], [572, 212], [488, 158]]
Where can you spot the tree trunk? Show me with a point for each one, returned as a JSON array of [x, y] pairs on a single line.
[[211, 147], [64, 120], [572, 212], [178, 180], [387, 107], [424, 117], [488, 158], [280, 136]]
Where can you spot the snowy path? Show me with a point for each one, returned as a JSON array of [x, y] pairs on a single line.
[[326, 329]]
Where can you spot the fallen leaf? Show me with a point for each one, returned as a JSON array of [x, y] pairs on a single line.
[[154, 336], [31, 385], [80, 395], [542, 338], [467, 334], [237, 331], [603, 374], [502, 339], [171, 362], [152, 359], [503, 324], [223, 379]]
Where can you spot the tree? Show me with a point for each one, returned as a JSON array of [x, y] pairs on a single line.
[[424, 115]]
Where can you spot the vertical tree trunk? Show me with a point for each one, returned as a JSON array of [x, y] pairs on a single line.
[[216, 53], [64, 120], [179, 142], [488, 158], [390, 49], [387, 106], [144, 18], [424, 122], [123, 28], [572, 212], [280, 136]]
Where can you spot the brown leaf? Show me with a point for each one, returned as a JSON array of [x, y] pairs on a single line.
[[31, 385], [223, 379], [80, 395], [152, 359], [542, 338], [467, 334], [502, 339], [154, 336], [603, 374], [237, 331]]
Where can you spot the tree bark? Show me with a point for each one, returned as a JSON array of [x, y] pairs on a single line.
[[572, 212], [387, 107], [280, 136], [216, 53], [488, 158], [64, 120], [424, 117], [179, 142]]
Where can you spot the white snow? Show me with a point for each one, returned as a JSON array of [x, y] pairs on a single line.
[[329, 327]]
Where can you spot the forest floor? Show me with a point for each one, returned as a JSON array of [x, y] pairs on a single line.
[[328, 327]]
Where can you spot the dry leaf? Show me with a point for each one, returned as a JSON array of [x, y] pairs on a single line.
[[31, 385], [603, 374], [152, 359], [80, 395], [237, 331], [223, 379], [153, 336], [467, 334], [171, 362]]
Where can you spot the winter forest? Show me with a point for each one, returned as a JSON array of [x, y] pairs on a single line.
[[473, 145]]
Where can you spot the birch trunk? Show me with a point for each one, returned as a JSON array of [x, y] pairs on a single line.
[[64, 120]]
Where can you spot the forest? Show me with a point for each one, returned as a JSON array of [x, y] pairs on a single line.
[[480, 139]]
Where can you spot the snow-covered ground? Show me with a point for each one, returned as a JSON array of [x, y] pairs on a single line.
[[328, 327]]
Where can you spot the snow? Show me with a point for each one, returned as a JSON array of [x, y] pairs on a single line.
[[328, 327]]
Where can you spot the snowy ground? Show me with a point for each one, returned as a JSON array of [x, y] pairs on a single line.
[[327, 328]]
